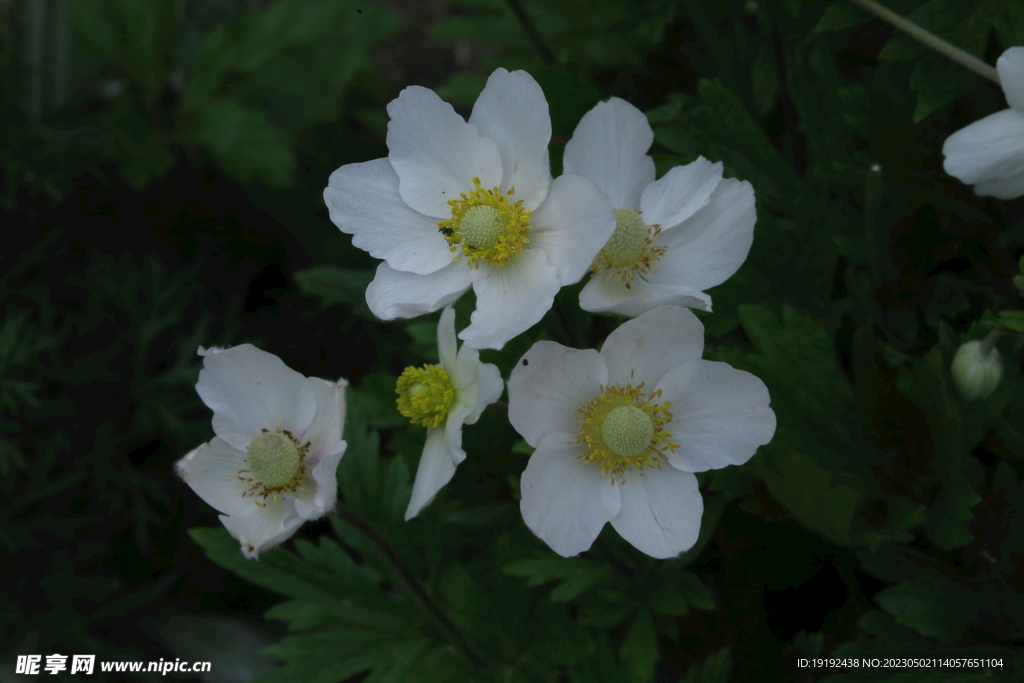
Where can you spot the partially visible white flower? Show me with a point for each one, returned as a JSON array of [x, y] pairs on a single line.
[[618, 434], [989, 153], [279, 440], [442, 399], [458, 205], [674, 237], [976, 370]]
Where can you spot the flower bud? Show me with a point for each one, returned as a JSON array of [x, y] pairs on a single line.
[[976, 369]]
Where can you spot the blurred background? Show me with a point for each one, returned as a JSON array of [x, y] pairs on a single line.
[[161, 180]]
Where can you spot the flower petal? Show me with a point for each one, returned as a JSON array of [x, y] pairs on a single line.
[[446, 344], [513, 112], [398, 294], [565, 500], [321, 487], [720, 415], [478, 384], [1003, 188], [212, 471], [661, 512], [510, 299], [607, 295], [680, 193], [263, 527], [324, 432], [1010, 66], [645, 348], [571, 226], [364, 202], [609, 146], [250, 390], [710, 247], [435, 153], [989, 149], [437, 466], [547, 386]]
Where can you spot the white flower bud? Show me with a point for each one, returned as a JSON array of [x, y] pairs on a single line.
[[976, 370]]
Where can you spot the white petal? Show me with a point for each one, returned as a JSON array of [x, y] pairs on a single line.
[[478, 384], [446, 345], [1004, 188], [680, 193], [548, 384], [212, 471], [324, 432], [250, 390], [263, 527], [1010, 66], [609, 146], [710, 247], [510, 299], [398, 294], [604, 294], [571, 226], [645, 348], [513, 112], [661, 511], [321, 487], [565, 500], [435, 153], [364, 202], [437, 466], [720, 415], [989, 149]]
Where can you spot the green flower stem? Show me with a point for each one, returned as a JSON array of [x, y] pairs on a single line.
[[421, 596], [531, 31], [955, 53], [990, 341]]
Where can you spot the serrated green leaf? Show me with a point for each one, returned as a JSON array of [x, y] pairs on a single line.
[[574, 575], [639, 650], [334, 285], [931, 605], [937, 83], [765, 82]]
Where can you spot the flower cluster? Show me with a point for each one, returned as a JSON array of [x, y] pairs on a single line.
[[456, 205]]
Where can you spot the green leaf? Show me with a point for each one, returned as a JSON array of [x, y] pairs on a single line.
[[682, 590], [764, 77], [839, 16], [937, 83], [712, 669], [334, 285], [639, 650], [931, 605], [574, 575], [242, 140]]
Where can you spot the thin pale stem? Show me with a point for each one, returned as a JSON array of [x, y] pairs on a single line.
[[531, 31], [955, 53], [432, 609], [990, 342]]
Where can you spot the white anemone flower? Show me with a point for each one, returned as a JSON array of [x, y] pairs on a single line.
[[619, 434], [442, 399], [458, 205], [674, 237], [279, 440], [989, 153]]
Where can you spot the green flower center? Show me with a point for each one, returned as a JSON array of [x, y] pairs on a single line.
[[275, 465], [425, 395], [630, 249], [624, 428], [485, 226], [627, 431]]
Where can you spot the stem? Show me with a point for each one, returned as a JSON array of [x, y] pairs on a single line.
[[990, 342], [955, 53], [531, 31], [421, 596]]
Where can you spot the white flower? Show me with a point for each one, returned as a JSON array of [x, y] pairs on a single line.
[[989, 153], [458, 205], [674, 237], [279, 440], [618, 434], [976, 370], [442, 399]]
